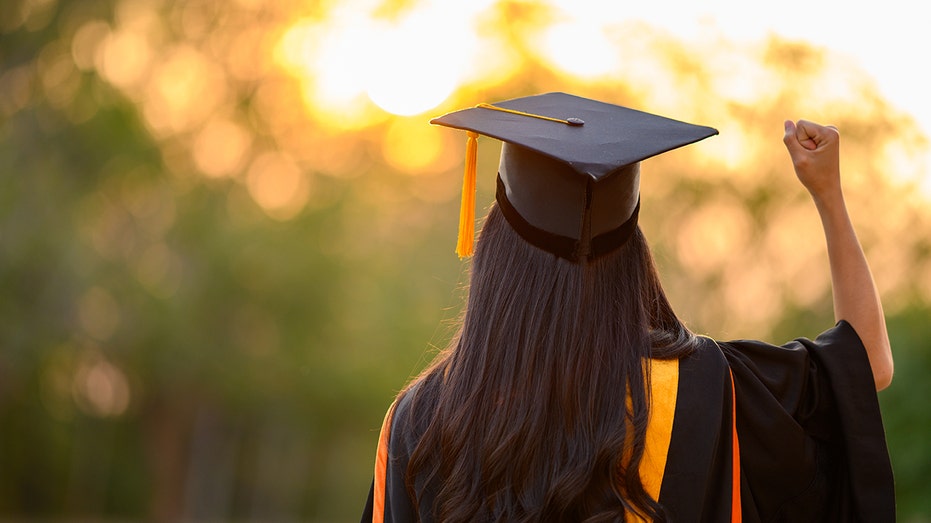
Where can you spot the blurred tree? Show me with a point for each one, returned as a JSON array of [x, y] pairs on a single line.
[[214, 277]]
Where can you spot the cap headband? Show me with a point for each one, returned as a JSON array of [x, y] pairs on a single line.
[[564, 246]]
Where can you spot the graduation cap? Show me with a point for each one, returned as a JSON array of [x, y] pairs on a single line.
[[569, 177]]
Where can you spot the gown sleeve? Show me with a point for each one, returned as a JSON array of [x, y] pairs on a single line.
[[810, 429]]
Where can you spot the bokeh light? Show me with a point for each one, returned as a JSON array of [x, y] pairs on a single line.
[[277, 185], [221, 148], [100, 388]]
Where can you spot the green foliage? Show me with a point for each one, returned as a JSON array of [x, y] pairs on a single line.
[[906, 414]]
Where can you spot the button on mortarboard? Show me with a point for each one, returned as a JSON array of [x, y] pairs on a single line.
[[567, 188]]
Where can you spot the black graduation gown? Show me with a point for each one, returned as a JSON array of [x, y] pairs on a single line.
[[811, 440]]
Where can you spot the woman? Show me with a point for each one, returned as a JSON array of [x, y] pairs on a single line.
[[573, 393]]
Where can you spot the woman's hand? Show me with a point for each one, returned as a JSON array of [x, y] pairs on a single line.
[[815, 153]]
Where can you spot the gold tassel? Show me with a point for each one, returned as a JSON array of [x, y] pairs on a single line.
[[467, 208]]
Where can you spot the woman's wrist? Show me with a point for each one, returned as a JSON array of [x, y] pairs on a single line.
[[829, 199]]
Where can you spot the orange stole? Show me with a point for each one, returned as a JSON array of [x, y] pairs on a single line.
[[736, 509], [664, 384], [381, 469]]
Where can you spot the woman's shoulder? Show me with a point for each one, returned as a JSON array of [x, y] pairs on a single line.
[[413, 409], [837, 350], [841, 335]]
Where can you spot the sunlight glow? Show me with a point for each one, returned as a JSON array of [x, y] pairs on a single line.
[[418, 64], [405, 66], [342, 61], [331, 62], [580, 50]]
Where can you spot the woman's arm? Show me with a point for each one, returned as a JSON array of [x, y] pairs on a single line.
[[815, 153]]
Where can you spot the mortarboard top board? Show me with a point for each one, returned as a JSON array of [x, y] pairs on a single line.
[[568, 180]]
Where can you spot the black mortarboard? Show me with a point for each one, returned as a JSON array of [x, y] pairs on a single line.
[[569, 179]]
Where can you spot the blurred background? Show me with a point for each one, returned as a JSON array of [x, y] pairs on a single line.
[[227, 229]]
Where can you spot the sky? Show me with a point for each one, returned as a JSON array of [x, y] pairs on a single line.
[[890, 40]]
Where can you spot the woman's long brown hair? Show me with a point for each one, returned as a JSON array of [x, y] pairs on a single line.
[[537, 411]]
